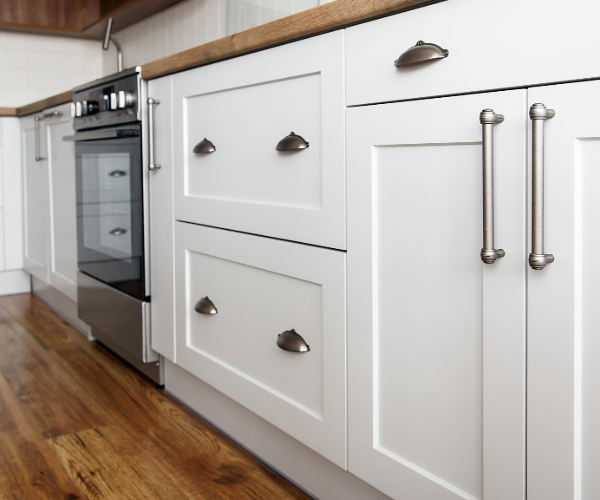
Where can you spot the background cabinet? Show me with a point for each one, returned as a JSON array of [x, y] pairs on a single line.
[[436, 338]]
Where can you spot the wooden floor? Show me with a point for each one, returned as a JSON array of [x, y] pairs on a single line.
[[77, 423]]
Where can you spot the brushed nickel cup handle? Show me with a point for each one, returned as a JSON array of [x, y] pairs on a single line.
[[538, 113], [292, 342], [151, 103], [292, 142], [489, 254], [421, 52], [205, 306]]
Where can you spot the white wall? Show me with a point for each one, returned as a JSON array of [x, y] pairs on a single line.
[[33, 67], [192, 23]]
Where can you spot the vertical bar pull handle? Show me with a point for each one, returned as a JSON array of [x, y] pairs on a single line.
[[537, 258], [488, 119], [151, 103], [37, 120]]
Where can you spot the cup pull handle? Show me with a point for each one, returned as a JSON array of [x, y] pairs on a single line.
[[292, 142], [292, 342], [205, 306], [489, 254], [537, 258], [204, 146], [421, 52]]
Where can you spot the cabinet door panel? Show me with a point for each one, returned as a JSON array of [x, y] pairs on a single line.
[[36, 202], [162, 220], [563, 429], [436, 337], [63, 219], [263, 287]]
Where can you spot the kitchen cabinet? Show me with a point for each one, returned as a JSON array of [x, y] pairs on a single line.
[[563, 385], [36, 199], [264, 322], [436, 338], [246, 108], [49, 207], [496, 44], [162, 222]]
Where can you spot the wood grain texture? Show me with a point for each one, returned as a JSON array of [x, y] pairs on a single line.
[[28, 468], [328, 17], [116, 435], [106, 463], [43, 104], [8, 111], [50, 397], [55, 14]]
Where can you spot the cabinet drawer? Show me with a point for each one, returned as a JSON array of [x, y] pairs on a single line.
[[245, 107], [493, 44], [261, 288]]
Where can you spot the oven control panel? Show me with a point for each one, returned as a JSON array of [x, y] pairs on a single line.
[[109, 101]]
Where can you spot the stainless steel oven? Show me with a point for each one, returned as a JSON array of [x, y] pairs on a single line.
[[112, 216]]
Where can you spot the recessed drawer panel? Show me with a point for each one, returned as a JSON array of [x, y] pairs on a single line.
[[259, 143], [492, 44], [242, 300]]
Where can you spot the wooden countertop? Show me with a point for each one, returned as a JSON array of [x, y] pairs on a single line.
[[329, 17]]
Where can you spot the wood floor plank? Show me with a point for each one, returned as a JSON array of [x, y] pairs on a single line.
[[28, 468], [105, 463], [196, 458], [49, 395], [53, 331]]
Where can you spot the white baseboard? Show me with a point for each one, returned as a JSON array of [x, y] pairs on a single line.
[[313, 473], [15, 281]]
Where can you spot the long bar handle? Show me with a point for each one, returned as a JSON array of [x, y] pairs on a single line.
[[151, 103], [37, 120], [488, 119], [537, 258]]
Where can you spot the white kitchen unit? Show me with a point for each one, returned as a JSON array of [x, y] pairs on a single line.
[[245, 108], [162, 220], [436, 338], [563, 390], [12, 278], [264, 322], [495, 44], [50, 222]]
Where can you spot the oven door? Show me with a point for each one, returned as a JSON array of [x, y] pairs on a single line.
[[110, 214]]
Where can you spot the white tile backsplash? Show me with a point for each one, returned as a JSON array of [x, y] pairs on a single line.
[[33, 67]]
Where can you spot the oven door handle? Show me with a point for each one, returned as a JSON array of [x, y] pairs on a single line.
[[95, 135]]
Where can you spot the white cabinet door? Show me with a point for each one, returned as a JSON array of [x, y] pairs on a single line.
[[245, 107], [63, 218], [36, 204], [162, 220], [563, 429], [436, 338], [261, 288]]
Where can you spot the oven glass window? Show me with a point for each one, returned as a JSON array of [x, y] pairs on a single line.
[[110, 229]]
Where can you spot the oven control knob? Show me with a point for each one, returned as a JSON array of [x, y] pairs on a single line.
[[113, 101], [125, 99], [91, 107], [77, 109]]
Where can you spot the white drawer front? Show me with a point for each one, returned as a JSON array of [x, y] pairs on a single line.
[[244, 107], [261, 288], [492, 44]]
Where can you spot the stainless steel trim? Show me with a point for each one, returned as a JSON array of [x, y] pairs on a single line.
[[94, 135], [205, 306], [292, 142], [421, 52], [109, 78], [291, 341], [538, 113], [487, 118], [143, 118], [151, 103]]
